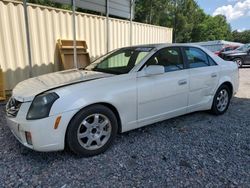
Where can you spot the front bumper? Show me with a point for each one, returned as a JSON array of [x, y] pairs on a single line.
[[44, 136]]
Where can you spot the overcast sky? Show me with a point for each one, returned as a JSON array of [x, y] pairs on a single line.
[[236, 11]]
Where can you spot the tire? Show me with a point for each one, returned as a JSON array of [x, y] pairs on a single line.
[[91, 131], [239, 62], [221, 105]]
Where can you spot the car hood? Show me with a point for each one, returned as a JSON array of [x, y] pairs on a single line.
[[28, 89]]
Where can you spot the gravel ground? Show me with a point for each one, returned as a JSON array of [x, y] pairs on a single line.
[[195, 150]]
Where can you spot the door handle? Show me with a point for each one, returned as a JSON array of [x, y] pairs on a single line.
[[213, 75], [182, 82]]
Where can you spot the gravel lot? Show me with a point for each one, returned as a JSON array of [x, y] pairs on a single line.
[[195, 150]]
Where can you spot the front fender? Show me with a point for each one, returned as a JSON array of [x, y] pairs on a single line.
[[119, 92]]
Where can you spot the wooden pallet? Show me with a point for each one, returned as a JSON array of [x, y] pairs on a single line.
[[66, 50]]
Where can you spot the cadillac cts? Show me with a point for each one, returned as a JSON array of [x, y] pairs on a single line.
[[84, 109]]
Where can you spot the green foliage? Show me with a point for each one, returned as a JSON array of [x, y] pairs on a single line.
[[51, 4], [189, 21], [212, 28], [243, 37]]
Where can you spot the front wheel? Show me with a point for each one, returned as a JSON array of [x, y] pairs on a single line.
[[221, 100], [91, 131]]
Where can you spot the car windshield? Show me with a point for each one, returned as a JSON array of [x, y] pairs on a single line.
[[120, 61], [244, 48]]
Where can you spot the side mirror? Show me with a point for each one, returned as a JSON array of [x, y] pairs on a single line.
[[154, 70]]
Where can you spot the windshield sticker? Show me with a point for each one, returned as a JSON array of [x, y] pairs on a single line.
[[143, 49]]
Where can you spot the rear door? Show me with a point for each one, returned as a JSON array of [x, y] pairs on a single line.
[[203, 76]]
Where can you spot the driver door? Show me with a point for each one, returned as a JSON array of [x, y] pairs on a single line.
[[165, 95]]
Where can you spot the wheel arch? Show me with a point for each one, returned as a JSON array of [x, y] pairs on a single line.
[[229, 85], [237, 57], [108, 105], [115, 111]]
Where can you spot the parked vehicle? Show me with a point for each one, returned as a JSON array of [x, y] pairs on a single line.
[[126, 89], [240, 55], [225, 49]]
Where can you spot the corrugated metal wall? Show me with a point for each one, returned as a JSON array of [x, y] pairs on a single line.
[[46, 25]]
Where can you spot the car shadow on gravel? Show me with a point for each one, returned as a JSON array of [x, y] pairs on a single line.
[[197, 149]]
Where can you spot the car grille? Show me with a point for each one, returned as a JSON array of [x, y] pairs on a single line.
[[12, 107]]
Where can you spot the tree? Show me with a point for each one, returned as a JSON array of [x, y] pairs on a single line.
[[212, 28], [154, 12], [243, 37], [188, 15], [49, 3], [188, 20]]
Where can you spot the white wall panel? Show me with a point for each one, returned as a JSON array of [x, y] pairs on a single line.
[[47, 25]]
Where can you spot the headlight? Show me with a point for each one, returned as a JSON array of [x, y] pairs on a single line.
[[41, 106]]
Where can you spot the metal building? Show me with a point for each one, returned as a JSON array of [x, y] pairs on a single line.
[[46, 25]]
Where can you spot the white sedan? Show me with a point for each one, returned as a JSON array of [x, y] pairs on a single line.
[[126, 89]]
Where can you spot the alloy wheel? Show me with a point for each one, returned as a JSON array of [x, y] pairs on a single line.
[[94, 131], [222, 100], [239, 62]]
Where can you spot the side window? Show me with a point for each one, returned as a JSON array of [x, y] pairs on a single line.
[[196, 58], [211, 61], [170, 58]]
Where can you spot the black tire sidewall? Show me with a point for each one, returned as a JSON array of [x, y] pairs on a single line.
[[71, 134], [214, 106]]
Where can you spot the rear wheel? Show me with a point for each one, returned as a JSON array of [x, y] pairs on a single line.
[[221, 100], [239, 62], [92, 131]]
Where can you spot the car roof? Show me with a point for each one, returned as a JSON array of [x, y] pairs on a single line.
[[163, 45]]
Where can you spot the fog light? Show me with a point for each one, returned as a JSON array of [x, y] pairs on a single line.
[[28, 137]]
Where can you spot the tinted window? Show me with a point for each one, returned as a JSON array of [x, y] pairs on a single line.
[[244, 48], [170, 58], [211, 61], [196, 57]]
